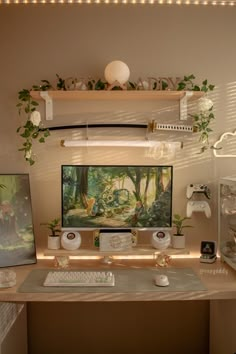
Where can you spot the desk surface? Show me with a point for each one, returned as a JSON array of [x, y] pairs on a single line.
[[218, 278]]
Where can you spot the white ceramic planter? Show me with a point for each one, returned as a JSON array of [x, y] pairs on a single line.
[[178, 241], [54, 242]]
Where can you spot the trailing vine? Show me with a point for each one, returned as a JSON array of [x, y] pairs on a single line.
[[204, 117], [33, 129]]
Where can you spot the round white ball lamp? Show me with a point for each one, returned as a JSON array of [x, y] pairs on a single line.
[[117, 71]]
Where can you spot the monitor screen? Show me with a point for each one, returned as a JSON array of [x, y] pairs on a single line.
[[116, 197]]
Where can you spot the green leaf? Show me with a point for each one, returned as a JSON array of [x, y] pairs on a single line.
[[34, 103], [42, 140], [204, 89], [164, 85], [46, 133], [31, 161], [26, 134], [181, 86], [35, 135], [196, 88]]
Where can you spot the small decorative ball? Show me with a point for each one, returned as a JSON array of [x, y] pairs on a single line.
[[117, 71]]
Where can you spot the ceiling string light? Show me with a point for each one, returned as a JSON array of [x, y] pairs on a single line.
[[134, 2]]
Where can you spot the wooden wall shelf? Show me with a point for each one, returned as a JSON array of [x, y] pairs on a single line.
[[126, 95], [117, 95]]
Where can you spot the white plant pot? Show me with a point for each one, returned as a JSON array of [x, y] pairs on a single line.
[[54, 242], [178, 241]]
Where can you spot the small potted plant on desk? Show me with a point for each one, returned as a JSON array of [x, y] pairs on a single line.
[[178, 237], [54, 238]]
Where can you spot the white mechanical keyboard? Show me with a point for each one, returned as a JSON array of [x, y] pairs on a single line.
[[79, 278]]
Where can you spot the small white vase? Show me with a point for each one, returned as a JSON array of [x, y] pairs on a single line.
[[178, 241], [54, 242]]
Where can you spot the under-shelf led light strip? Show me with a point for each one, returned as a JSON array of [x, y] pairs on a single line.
[[158, 2]]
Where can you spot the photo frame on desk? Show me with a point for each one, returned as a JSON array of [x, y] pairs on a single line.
[[17, 242]]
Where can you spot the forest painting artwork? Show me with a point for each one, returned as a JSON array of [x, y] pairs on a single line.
[[17, 246], [111, 197]]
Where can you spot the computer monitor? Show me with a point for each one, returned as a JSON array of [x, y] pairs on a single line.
[[116, 197]]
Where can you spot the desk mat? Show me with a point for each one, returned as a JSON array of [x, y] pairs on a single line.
[[126, 281]]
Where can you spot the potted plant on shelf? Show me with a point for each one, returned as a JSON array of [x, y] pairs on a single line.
[[54, 238], [178, 237]]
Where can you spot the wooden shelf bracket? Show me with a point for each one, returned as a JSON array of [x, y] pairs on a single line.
[[183, 105], [48, 104]]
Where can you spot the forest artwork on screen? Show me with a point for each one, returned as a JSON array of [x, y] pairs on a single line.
[[114, 197]]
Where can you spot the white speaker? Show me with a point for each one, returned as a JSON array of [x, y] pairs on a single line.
[[160, 239], [71, 240]]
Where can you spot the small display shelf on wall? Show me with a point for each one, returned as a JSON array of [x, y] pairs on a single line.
[[127, 95], [140, 250]]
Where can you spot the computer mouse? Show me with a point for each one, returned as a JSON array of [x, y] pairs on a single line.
[[161, 280]]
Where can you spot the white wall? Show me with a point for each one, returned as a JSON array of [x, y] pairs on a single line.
[[38, 42]]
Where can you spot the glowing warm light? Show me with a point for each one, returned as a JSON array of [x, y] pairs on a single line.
[[150, 2], [174, 256]]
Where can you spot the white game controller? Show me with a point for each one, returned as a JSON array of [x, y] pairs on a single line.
[[198, 206], [198, 188]]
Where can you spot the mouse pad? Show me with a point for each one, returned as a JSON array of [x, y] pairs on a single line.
[[126, 280]]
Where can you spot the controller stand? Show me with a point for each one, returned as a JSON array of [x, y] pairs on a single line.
[[198, 206]]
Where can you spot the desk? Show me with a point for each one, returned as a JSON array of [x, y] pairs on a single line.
[[218, 278], [150, 322]]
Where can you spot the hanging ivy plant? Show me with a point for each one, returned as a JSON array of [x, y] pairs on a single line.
[[33, 129], [204, 117]]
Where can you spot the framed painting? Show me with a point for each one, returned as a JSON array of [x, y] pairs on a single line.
[[17, 243]]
